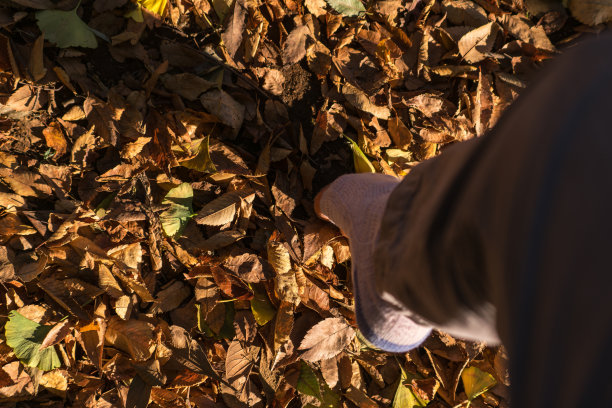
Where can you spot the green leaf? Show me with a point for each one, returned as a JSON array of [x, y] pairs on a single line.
[[330, 398], [262, 309], [25, 337], [175, 218], [227, 331], [475, 382], [362, 163], [201, 161], [347, 7], [65, 29], [308, 382], [404, 396]]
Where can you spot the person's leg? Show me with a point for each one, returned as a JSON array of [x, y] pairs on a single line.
[[519, 223]]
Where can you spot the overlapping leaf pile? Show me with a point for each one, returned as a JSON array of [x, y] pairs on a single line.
[[158, 162]]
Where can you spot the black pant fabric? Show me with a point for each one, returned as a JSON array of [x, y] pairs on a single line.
[[513, 231]]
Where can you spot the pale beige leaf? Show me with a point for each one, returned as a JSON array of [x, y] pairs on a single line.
[[273, 81], [326, 339], [107, 281], [74, 114], [329, 370], [123, 307], [221, 210], [56, 382]]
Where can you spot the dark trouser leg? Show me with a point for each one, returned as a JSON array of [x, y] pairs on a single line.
[[520, 222]]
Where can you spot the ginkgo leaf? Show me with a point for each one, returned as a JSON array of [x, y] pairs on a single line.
[[326, 339], [65, 29], [262, 308], [404, 396], [360, 160], [475, 382], [155, 6], [221, 210], [175, 218], [25, 337], [308, 383], [347, 7], [201, 161]]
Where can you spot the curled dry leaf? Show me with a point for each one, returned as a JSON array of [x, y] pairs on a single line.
[[326, 339]]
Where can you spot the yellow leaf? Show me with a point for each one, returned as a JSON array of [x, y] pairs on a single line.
[[362, 163], [476, 382]]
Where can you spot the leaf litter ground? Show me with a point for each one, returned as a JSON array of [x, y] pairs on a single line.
[[158, 162]]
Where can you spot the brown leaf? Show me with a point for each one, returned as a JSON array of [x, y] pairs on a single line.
[[401, 135], [591, 12], [295, 45], [232, 35], [171, 297], [7, 270], [187, 85], [57, 334], [283, 324], [223, 106], [478, 43], [245, 326], [273, 81], [25, 183], [245, 265], [132, 336], [221, 210], [37, 65], [360, 101], [329, 370], [326, 339], [100, 115], [239, 361]]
